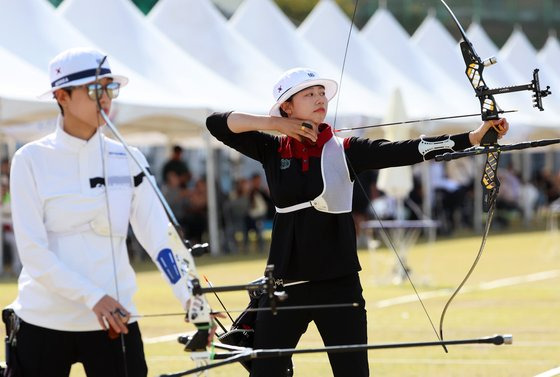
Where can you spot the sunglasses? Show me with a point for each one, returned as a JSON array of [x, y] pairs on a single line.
[[95, 91]]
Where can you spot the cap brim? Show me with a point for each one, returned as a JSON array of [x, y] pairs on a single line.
[[330, 91], [116, 78]]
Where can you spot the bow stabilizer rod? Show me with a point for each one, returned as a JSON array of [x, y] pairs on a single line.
[[238, 354], [496, 148]]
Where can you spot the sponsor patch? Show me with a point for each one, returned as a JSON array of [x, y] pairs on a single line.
[[117, 154]]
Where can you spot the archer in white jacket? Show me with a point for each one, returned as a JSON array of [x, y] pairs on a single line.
[[61, 224], [74, 194]]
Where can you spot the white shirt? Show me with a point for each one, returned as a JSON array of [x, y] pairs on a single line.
[[61, 224]]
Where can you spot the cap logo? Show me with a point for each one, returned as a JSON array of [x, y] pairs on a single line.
[[80, 75], [58, 71], [279, 88], [61, 81], [310, 74]]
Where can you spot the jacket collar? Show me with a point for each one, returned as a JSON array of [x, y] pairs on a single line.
[[64, 139]]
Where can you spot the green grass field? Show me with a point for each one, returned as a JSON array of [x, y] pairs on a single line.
[[515, 289]]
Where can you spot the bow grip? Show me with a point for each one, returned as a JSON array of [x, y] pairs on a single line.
[[489, 138]]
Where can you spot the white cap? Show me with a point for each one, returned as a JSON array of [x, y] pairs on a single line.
[[296, 80], [78, 66]]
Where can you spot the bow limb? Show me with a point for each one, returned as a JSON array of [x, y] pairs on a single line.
[[471, 269]]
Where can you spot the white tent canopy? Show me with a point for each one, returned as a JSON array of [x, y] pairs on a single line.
[[262, 23], [522, 56], [138, 102], [327, 28], [153, 54], [443, 50], [396, 182], [549, 55], [203, 32], [20, 84], [518, 53], [384, 33], [502, 74]]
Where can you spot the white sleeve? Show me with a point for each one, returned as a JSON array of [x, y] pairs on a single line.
[[150, 225], [42, 264]]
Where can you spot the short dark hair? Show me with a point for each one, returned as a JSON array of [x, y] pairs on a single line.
[[67, 90], [177, 149]]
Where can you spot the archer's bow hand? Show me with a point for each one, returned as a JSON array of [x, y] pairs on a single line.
[[500, 125], [212, 331], [213, 326]]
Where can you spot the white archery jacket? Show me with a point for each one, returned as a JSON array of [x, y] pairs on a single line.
[[63, 231]]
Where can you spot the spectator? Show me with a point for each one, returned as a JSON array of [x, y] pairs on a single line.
[[258, 208], [509, 197], [236, 209], [462, 171], [8, 251], [196, 214], [178, 166], [448, 197]]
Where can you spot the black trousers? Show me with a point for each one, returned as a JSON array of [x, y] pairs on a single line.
[[42, 352], [341, 326]]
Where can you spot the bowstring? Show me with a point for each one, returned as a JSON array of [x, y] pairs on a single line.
[[362, 189], [107, 204]]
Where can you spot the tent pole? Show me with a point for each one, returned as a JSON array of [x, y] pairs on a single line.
[[213, 231]]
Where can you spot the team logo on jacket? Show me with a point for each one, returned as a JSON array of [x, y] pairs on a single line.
[[284, 163]]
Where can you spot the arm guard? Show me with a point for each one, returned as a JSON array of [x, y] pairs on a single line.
[[429, 147]]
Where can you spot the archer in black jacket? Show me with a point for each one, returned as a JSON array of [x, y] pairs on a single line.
[[313, 236]]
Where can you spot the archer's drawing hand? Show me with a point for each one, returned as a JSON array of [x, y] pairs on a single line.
[[296, 128], [111, 315]]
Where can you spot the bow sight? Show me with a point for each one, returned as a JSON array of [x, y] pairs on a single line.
[[489, 107], [474, 69], [534, 86]]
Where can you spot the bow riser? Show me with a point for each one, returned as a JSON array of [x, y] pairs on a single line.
[[198, 310], [489, 109]]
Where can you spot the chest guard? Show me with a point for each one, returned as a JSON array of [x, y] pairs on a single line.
[[337, 185]]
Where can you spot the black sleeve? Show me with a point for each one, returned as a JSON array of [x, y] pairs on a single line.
[[253, 144], [366, 154]]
